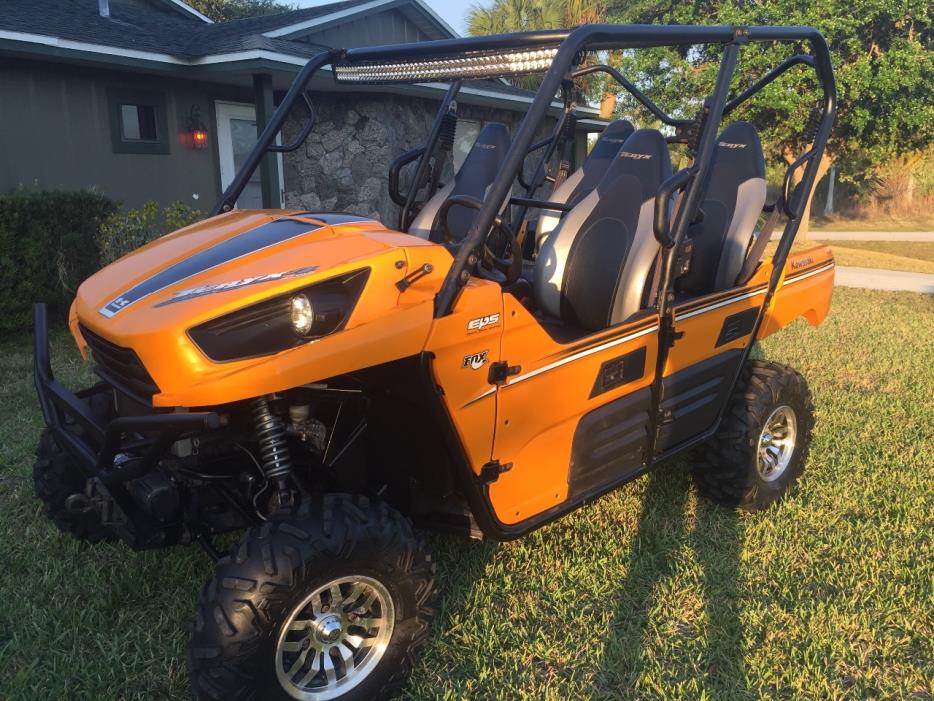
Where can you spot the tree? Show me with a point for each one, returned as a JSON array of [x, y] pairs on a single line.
[[883, 59], [504, 16], [226, 10]]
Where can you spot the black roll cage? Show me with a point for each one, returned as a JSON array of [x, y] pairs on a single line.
[[571, 45]]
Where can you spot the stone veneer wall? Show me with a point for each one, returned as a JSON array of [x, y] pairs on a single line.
[[344, 164]]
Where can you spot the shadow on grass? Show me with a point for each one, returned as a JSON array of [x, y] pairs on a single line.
[[708, 647]]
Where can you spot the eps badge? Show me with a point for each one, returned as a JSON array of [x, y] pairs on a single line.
[[475, 361], [482, 322]]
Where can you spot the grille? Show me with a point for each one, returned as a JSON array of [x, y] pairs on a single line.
[[120, 367]]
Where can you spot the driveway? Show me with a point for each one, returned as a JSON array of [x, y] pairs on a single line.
[[871, 235], [875, 279]]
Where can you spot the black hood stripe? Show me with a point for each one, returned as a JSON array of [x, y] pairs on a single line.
[[244, 244], [335, 217]]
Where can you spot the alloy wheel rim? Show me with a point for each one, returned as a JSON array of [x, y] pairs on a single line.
[[334, 638], [776, 443]]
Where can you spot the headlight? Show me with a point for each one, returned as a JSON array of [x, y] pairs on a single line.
[[303, 315], [281, 322]]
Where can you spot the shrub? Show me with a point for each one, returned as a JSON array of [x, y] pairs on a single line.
[[122, 233], [47, 247]]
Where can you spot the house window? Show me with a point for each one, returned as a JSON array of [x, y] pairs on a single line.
[[138, 122], [464, 137]]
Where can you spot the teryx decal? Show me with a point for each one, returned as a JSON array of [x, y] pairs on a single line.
[[235, 284], [482, 322], [238, 246], [475, 361]]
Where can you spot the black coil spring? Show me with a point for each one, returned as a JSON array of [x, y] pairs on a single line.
[[447, 131], [813, 124], [569, 128], [271, 434]]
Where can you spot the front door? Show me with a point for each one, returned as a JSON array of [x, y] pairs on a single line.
[[573, 417], [236, 136]]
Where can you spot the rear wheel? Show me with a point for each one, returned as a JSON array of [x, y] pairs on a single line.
[[762, 444], [332, 601]]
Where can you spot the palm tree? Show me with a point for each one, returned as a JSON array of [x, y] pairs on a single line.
[[504, 16]]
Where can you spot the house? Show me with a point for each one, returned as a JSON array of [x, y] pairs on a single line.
[[150, 100]]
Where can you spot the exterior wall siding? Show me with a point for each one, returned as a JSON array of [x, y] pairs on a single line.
[[56, 135], [389, 27]]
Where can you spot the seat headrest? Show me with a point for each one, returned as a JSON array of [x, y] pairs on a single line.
[[645, 157], [737, 158], [487, 151], [610, 140]]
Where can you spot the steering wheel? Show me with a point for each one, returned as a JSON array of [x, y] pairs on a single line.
[[508, 266]]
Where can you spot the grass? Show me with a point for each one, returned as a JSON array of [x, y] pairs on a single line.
[[876, 223], [907, 256], [904, 256], [651, 593]]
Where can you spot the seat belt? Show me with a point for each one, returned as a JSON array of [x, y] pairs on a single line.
[[758, 246]]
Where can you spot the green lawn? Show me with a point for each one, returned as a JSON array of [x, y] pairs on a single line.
[[908, 256], [648, 594], [914, 223]]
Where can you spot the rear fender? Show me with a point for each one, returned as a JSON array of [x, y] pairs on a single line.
[[805, 290]]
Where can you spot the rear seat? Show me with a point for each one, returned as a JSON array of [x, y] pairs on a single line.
[[735, 195], [584, 179]]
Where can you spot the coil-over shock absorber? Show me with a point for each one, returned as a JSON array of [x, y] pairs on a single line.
[[812, 126], [273, 447], [447, 131]]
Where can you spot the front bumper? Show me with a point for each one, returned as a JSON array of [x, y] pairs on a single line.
[[95, 444]]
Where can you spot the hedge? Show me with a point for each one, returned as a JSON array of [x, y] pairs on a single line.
[[48, 245]]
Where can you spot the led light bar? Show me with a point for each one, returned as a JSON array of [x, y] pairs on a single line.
[[466, 66]]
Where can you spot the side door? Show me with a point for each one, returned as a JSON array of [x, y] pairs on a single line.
[[572, 418], [712, 332]]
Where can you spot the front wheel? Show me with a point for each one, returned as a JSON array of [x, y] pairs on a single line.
[[332, 601], [59, 484], [762, 444]]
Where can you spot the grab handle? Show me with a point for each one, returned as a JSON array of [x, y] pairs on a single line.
[[662, 225]]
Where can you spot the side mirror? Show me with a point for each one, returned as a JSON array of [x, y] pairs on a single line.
[[662, 224]]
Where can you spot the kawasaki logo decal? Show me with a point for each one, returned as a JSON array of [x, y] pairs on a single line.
[[235, 247], [235, 284]]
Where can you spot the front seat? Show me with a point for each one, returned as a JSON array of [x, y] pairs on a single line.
[[585, 178], [476, 174], [735, 195], [593, 267]]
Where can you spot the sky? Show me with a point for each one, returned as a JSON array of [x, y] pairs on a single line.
[[453, 12]]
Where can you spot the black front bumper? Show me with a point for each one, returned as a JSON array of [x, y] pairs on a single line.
[[94, 443]]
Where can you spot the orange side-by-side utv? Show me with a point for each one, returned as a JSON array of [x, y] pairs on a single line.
[[526, 338]]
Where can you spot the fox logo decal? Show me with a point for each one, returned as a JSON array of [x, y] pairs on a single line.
[[475, 361]]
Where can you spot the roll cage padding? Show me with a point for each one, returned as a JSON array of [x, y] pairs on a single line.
[[585, 178], [735, 196], [593, 268], [474, 177]]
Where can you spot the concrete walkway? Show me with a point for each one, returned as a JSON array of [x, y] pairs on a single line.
[[871, 235], [874, 279]]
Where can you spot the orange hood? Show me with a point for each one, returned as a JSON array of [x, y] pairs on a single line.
[[149, 299]]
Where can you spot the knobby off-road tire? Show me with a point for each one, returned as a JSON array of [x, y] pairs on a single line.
[[263, 597], [732, 470]]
